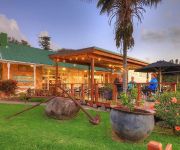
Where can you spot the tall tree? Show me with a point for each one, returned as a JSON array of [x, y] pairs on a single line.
[[23, 42], [124, 12], [44, 42], [15, 41]]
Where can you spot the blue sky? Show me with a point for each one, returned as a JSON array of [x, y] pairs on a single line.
[[77, 24]]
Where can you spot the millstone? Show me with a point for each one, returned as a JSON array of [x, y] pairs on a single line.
[[61, 108]]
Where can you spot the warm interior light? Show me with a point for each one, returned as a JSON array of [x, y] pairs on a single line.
[[70, 59], [110, 65], [64, 61], [76, 58], [74, 65], [85, 70], [63, 69], [31, 65], [99, 59], [82, 58]]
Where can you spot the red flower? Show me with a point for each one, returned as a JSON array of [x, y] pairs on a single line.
[[174, 100], [151, 106], [177, 128]]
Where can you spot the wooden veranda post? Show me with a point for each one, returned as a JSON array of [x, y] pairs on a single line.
[[92, 79], [96, 93], [139, 94], [56, 77]]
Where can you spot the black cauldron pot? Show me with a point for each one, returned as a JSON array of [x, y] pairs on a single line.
[[132, 126]]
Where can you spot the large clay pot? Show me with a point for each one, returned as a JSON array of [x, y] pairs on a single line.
[[61, 108], [132, 126]]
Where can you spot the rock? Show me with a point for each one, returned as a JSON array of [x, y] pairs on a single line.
[[61, 108]]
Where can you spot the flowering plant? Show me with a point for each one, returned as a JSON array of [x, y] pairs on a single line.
[[168, 109]]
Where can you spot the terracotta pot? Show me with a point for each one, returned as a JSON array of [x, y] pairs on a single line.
[[132, 126]]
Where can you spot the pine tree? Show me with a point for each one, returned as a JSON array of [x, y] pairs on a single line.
[[44, 42]]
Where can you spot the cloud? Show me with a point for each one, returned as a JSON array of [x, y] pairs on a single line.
[[152, 35], [11, 27], [53, 45], [43, 33], [171, 34]]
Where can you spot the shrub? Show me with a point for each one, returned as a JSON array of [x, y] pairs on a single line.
[[37, 99], [168, 108], [8, 86], [22, 96], [128, 100]]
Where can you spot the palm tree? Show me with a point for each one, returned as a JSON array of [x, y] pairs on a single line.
[[124, 12]]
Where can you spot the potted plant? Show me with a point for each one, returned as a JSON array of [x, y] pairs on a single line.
[[107, 91], [168, 109], [130, 123]]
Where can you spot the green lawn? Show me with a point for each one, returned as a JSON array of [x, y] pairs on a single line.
[[34, 131]]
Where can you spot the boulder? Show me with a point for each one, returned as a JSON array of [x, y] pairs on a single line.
[[61, 108]]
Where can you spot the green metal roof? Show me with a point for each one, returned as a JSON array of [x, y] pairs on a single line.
[[27, 54]]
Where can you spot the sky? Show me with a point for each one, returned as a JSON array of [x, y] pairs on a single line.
[[77, 24]]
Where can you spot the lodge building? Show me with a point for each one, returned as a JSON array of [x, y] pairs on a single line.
[[35, 68]]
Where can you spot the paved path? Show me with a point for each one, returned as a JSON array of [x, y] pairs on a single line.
[[34, 103], [16, 102], [147, 104]]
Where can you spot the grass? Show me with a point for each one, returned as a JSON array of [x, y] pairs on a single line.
[[34, 131]]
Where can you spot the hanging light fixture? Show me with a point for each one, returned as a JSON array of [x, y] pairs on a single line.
[[63, 68]]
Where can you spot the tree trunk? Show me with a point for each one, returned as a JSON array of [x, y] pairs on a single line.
[[124, 68]]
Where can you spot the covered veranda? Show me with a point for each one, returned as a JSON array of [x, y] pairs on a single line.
[[94, 57]]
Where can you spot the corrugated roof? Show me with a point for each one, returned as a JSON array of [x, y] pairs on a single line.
[[22, 53], [26, 54]]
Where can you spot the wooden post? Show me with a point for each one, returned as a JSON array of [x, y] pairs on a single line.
[[34, 75], [139, 94], [92, 79], [72, 89], [153, 145], [114, 96], [160, 80], [56, 77], [82, 91], [174, 87], [8, 68], [177, 79], [96, 93], [168, 147]]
